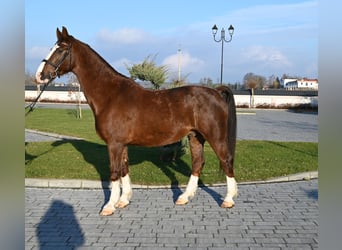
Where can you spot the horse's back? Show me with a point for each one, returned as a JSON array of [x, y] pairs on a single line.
[[176, 112]]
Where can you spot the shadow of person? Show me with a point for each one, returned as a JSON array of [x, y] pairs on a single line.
[[311, 193], [59, 228]]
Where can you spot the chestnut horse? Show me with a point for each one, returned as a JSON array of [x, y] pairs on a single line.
[[127, 114]]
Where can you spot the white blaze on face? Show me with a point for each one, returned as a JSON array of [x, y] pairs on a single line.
[[41, 66]]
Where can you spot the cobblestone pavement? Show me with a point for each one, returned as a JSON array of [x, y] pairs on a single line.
[[266, 216]]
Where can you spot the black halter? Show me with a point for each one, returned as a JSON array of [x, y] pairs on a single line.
[[57, 65], [53, 75]]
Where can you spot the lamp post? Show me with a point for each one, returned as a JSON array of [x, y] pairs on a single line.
[[222, 40], [179, 64]]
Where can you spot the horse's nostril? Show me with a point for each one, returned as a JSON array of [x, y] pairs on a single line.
[[44, 76]]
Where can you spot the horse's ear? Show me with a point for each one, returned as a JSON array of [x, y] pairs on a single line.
[[65, 32], [59, 35]]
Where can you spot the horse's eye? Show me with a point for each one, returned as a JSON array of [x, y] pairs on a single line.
[[59, 51]]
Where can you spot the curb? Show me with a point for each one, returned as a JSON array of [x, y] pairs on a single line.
[[57, 136], [87, 184]]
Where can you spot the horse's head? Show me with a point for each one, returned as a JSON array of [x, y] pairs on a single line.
[[58, 61]]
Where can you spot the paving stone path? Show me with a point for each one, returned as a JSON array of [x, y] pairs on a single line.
[[266, 216]]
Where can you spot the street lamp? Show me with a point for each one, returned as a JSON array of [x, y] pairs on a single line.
[[222, 40], [179, 64]]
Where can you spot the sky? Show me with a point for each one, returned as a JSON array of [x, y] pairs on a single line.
[[270, 37]]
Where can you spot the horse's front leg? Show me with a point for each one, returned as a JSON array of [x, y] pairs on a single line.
[[109, 208], [126, 192], [118, 157], [196, 142]]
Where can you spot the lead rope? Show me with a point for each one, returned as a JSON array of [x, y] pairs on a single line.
[[32, 104]]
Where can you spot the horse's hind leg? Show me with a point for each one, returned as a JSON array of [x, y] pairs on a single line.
[[196, 142], [227, 166], [228, 201], [226, 163]]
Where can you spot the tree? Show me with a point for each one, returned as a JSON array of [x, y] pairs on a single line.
[[149, 71], [178, 82], [273, 82], [252, 81], [72, 79], [29, 78], [288, 76], [206, 81], [276, 83]]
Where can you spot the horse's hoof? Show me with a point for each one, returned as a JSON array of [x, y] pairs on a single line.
[[227, 204], [121, 204], [107, 212], [181, 201]]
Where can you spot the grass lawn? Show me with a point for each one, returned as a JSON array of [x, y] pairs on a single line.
[[88, 158]]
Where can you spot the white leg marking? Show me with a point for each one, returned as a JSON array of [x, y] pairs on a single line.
[[41, 66], [189, 191], [109, 208], [231, 192], [126, 192]]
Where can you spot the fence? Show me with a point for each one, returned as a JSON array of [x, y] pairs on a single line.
[[243, 98]]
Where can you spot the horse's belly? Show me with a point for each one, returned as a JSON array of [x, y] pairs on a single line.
[[159, 137]]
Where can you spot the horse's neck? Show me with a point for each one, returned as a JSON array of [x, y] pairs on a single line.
[[90, 69], [97, 78]]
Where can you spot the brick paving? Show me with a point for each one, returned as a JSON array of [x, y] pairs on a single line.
[[266, 216]]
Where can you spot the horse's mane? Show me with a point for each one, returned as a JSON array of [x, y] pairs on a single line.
[[103, 60]]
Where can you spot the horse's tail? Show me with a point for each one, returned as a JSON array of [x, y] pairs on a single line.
[[228, 96]]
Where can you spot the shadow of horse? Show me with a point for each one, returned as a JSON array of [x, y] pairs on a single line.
[[167, 159], [293, 149], [29, 157], [96, 154], [59, 228]]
